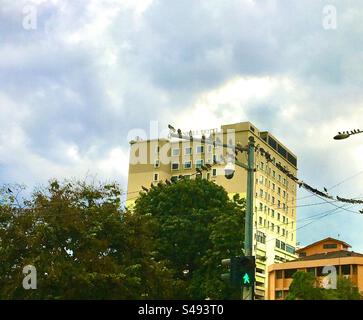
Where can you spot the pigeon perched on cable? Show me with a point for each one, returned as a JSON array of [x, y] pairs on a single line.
[[10, 191], [326, 190]]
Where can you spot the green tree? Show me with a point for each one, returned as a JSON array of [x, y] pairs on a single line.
[[83, 245], [197, 225], [305, 286], [345, 290]]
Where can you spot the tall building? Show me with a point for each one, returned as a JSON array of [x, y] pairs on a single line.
[[328, 253], [152, 161]]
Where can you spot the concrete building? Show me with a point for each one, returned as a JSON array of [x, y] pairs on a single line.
[[152, 161], [313, 258]]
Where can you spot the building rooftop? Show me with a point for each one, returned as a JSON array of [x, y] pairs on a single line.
[[331, 255], [324, 240]]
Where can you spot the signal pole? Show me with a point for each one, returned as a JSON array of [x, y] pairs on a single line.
[[248, 292]]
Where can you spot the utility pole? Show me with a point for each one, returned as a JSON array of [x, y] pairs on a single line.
[[248, 292], [248, 289]]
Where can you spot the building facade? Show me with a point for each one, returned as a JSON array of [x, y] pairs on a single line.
[[314, 258], [152, 161]]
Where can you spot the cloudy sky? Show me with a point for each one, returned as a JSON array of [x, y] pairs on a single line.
[[78, 79]]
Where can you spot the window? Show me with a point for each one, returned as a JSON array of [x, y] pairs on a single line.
[[188, 151], [175, 166], [258, 270], [274, 173], [279, 177], [272, 226], [278, 230], [261, 165], [273, 200], [260, 237], [261, 193], [210, 149], [289, 273], [156, 177], [200, 149], [279, 274], [330, 246], [199, 163], [278, 190], [208, 175], [278, 203], [278, 243], [272, 213], [214, 172], [187, 165], [282, 247], [273, 186], [283, 232], [260, 220], [175, 152], [290, 249], [261, 206], [278, 216], [311, 270], [284, 194], [156, 164], [346, 269]]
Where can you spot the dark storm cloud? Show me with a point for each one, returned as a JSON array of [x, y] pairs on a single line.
[[71, 90]]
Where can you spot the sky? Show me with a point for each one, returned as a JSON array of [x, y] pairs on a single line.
[[78, 77]]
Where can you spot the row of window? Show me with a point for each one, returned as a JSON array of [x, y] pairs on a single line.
[[260, 237], [189, 150], [268, 198], [274, 228], [284, 246], [345, 270], [156, 177], [274, 214], [273, 174]]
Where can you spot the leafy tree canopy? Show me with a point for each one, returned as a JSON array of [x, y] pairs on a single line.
[[305, 286], [197, 225], [82, 245]]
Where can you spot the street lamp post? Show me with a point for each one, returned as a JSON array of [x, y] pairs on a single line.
[[346, 134]]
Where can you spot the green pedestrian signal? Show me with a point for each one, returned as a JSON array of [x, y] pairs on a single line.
[[241, 271], [246, 279]]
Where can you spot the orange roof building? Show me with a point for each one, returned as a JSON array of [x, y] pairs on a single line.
[[313, 258]]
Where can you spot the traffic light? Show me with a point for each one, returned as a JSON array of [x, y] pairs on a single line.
[[248, 266], [241, 271]]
